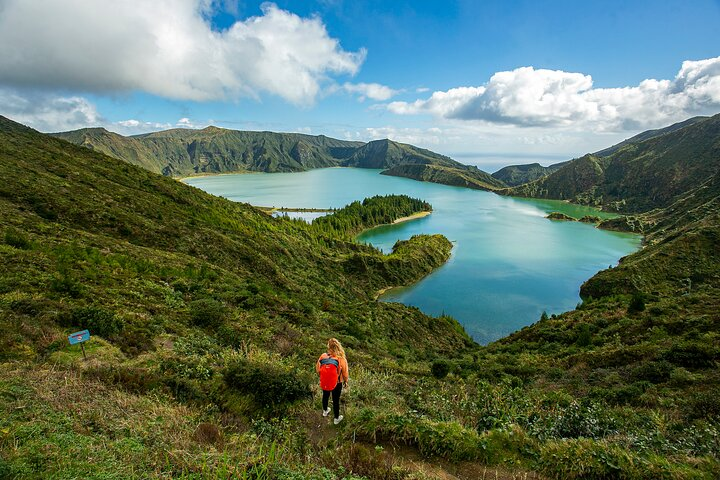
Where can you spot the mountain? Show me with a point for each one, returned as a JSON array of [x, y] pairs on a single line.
[[514, 175], [387, 154], [640, 176], [457, 176], [647, 135], [180, 152]]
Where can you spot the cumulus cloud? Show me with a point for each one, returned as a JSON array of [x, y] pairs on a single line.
[[550, 98], [167, 48], [373, 91], [46, 112]]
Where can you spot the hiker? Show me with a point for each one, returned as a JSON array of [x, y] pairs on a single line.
[[333, 370]]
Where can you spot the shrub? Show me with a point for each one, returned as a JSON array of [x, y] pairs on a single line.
[[98, 320], [266, 383], [206, 312], [584, 335], [691, 355], [440, 368], [17, 239], [704, 405], [66, 285], [637, 303], [585, 459], [655, 372]]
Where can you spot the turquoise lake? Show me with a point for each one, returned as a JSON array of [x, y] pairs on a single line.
[[508, 265]]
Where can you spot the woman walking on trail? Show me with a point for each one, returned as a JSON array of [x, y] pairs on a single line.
[[333, 370]]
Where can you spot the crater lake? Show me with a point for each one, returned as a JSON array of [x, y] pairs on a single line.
[[509, 263]]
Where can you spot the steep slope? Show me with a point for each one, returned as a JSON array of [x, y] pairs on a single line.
[[639, 176], [468, 177], [647, 135], [181, 152], [387, 154], [514, 175]]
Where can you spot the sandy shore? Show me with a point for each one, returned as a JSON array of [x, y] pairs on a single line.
[[201, 175], [411, 217]]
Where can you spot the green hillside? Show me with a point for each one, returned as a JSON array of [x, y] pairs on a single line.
[[639, 176], [387, 154], [181, 152], [514, 175], [207, 317], [647, 135], [457, 176]]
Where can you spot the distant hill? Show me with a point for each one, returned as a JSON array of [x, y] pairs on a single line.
[[388, 154], [514, 175], [638, 176], [181, 152], [458, 176]]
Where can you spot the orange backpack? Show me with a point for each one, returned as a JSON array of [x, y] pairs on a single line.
[[329, 372]]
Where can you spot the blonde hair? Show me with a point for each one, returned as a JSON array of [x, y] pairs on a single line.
[[335, 348]]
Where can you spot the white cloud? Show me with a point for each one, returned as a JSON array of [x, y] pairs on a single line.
[[422, 137], [554, 98], [167, 48], [133, 126], [373, 91], [46, 112]]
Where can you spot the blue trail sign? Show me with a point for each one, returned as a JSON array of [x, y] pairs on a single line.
[[80, 337]]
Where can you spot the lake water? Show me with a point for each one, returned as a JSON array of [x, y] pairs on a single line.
[[509, 263]]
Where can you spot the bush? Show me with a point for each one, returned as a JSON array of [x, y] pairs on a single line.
[[637, 303], [655, 372], [266, 383], [97, 320], [440, 368], [17, 239], [66, 285], [206, 312], [704, 405], [584, 335], [691, 355]]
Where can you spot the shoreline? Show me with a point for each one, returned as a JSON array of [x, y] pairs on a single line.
[[201, 175], [422, 214]]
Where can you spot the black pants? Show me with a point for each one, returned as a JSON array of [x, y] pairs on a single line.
[[336, 399]]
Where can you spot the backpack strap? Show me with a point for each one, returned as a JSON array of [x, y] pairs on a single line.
[[330, 361]]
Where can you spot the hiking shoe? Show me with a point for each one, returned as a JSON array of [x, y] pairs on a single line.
[[338, 420], [326, 412]]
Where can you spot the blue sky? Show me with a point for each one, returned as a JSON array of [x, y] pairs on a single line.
[[490, 83]]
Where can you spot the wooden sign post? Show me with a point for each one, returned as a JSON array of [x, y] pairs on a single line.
[[80, 337]]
